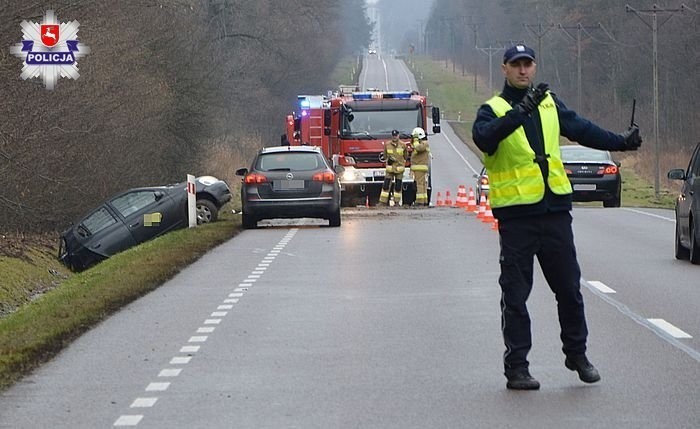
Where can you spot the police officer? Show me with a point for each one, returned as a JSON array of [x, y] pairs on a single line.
[[420, 158], [518, 131], [395, 156]]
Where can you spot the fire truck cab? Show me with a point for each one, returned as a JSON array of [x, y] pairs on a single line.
[[351, 129]]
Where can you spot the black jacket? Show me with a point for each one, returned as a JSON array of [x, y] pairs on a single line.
[[489, 130]]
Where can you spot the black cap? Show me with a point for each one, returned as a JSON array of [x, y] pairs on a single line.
[[518, 51], [395, 133]]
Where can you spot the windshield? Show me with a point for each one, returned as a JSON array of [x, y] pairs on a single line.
[[373, 124]]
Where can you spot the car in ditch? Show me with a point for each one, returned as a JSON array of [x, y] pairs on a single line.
[[687, 209], [137, 215], [593, 173], [285, 182]]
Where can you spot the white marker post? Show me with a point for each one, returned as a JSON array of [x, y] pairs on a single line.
[[191, 201]]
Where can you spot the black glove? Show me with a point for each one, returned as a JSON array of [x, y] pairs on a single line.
[[392, 160], [632, 139], [532, 99]]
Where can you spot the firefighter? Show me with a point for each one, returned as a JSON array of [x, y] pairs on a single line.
[[518, 131], [420, 157], [395, 158]]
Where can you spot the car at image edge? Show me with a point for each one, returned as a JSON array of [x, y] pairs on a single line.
[[137, 215], [687, 209], [289, 182]]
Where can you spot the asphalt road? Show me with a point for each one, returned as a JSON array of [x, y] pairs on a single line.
[[390, 321]]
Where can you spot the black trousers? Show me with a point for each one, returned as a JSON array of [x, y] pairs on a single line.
[[551, 239]]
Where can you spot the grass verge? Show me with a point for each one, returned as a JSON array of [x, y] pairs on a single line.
[[39, 330]]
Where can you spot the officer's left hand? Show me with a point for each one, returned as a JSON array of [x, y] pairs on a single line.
[[632, 139]]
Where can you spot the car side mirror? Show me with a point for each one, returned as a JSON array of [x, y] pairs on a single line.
[[241, 172], [618, 163], [339, 169], [158, 195], [676, 174]]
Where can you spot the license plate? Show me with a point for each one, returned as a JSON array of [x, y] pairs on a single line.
[[288, 184], [584, 187]]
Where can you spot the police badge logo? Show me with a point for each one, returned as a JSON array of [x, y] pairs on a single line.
[[49, 50]]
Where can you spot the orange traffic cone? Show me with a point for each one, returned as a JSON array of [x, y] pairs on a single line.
[[482, 207], [488, 214], [471, 201], [367, 201], [439, 201], [461, 196], [448, 199], [494, 225]]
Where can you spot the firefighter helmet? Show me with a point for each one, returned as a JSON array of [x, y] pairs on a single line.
[[418, 132]]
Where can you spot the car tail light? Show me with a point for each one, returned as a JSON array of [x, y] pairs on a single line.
[[611, 169], [326, 176], [568, 171], [255, 179]]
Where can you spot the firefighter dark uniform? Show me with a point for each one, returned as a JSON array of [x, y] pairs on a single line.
[[420, 160], [395, 156], [530, 195]]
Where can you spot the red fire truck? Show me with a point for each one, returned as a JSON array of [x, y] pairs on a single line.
[[351, 128]]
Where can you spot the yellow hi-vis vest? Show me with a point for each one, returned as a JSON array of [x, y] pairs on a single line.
[[515, 177]]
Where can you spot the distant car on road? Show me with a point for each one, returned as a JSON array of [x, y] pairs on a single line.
[[371, 51], [289, 182], [688, 209], [594, 174], [482, 184], [135, 216]]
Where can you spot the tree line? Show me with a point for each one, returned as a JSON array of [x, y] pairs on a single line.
[[596, 55], [170, 87]]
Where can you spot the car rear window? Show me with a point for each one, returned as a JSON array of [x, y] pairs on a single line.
[[289, 161], [580, 154]]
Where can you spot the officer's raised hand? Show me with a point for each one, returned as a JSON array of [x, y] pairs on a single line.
[[532, 99], [631, 138]]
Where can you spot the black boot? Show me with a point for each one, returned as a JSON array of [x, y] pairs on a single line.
[[521, 380], [586, 371]]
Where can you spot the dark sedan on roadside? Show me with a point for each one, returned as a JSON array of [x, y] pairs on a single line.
[[135, 216], [688, 209], [594, 174], [289, 182]]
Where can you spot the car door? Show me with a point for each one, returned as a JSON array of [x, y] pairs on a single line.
[[102, 233], [691, 193], [146, 213]]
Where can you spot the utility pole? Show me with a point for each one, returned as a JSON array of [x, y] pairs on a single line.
[[491, 51], [474, 28], [539, 30], [579, 28], [654, 12]]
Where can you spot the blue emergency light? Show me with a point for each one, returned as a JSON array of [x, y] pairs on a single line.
[[361, 95], [304, 103]]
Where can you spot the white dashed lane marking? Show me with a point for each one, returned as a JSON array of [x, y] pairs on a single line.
[[669, 328], [601, 286], [215, 319]]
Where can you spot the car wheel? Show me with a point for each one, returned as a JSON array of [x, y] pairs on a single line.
[[681, 252], [249, 222], [206, 211], [694, 253], [63, 253], [334, 220]]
